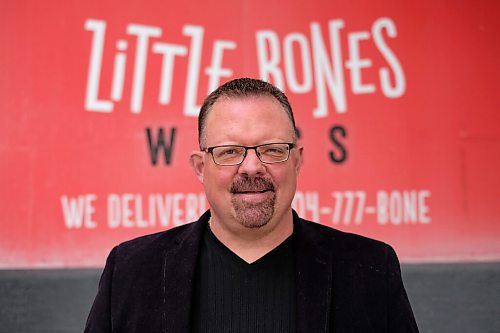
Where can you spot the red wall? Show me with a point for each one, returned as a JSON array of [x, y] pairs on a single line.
[[397, 104]]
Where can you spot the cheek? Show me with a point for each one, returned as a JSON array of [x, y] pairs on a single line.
[[285, 179], [216, 189], [217, 179]]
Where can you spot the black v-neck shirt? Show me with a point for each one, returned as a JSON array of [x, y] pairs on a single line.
[[231, 295]]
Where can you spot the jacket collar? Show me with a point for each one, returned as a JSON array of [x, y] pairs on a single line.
[[313, 268], [178, 276], [314, 275]]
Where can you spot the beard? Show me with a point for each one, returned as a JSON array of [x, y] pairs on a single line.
[[253, 214]]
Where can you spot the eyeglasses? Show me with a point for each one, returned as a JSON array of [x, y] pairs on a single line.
[[268, 153]]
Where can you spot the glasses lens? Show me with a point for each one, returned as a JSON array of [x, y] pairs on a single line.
[[274, 152], [228, 155]]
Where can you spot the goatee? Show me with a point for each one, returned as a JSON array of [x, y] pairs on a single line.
[[253, 214]]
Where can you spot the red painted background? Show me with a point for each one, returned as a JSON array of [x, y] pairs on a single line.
[[417, 159]]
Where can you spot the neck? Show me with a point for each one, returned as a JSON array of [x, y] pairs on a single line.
[[250, 244]]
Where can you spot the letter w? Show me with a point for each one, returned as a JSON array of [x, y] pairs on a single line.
[[73, 211], [160, 144]]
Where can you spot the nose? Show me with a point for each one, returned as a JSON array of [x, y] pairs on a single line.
[[251, 165]]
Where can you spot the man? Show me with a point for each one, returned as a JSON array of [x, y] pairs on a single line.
[[250, 264]]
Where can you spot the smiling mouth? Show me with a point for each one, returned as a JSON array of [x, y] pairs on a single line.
[[251, 192], [255, 188], [254, 196]]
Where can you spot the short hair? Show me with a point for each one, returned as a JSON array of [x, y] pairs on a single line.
[[243, 87]]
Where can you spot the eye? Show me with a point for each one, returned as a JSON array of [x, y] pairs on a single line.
[[274, 150], [227, 152]]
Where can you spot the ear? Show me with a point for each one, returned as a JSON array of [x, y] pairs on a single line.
[[197, 161], [298, 158]]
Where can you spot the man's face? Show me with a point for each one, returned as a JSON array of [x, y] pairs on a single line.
[[252, 194]]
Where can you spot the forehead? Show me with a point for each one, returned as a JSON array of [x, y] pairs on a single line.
[[244, 119]]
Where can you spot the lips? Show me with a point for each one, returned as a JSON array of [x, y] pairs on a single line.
[[252, 185], [252, 191], [253, 198], [254, 194]]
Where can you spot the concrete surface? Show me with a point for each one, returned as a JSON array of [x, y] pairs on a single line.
[[451, 298]]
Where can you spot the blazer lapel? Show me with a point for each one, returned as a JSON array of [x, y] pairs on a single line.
[[178, 277], [314, 280]]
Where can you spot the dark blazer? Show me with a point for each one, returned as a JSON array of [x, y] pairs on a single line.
[[345, 283]]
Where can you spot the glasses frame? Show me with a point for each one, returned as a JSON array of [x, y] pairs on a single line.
[[290, 147]]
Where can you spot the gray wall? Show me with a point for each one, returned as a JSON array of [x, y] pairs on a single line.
[[445, 298]]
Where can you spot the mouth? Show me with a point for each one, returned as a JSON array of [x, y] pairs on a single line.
[[254, 190], [253, 194], [253, 197]]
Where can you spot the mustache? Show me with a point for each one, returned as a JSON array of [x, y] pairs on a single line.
[[256, 184]]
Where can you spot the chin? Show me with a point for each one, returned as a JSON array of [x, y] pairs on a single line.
[[254, 216]]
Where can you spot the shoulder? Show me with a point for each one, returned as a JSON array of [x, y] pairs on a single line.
[[153, 247], [345, 246], [144, 258], [165, 239], [157, 241]]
